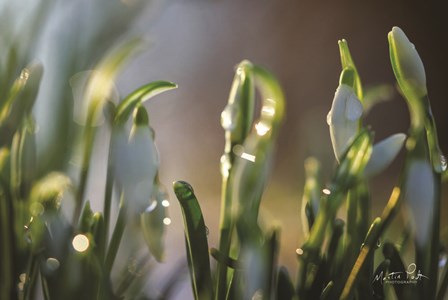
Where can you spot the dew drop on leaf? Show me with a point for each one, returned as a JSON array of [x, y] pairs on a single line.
[[228, 117]]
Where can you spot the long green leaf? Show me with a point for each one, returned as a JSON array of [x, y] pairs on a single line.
[[196, 240], [140, 95]]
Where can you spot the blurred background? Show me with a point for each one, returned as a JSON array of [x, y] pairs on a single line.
[[197, 44]]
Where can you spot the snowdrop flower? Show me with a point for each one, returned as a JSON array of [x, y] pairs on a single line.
[[407, 65], [383, 153], [136, 165], [419, 192], [343, 119]]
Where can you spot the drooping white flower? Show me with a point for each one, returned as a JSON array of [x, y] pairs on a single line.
[[343, 119], [420, 189], [383, 153], [136, 165]]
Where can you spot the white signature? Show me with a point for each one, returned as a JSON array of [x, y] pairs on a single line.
[[411, 275]]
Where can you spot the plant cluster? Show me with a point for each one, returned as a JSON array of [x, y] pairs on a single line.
[[337, 258], [51, 242]]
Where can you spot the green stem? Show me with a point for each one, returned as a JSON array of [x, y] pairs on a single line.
[[31, 277], [375, 231], [116, 237], [85, 167], [443, 284], [5, 235], [108, 197], [224, 238], [45, 290]]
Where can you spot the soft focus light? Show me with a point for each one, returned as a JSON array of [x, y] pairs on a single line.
[[80, 243], [248, 157], [261, 128], [326, 191], [268, 110], [167, 221], [52, 264]]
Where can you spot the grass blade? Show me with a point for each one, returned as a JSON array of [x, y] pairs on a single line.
[[196, 241]]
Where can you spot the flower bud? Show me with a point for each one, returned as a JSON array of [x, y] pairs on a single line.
[[407, 65]]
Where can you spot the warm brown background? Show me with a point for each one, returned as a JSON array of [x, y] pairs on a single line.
[[197, 44]]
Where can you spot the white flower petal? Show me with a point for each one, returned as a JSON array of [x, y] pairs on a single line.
[[136, 165], [353, 108], [419, 195], [383, 153], [343, 119]]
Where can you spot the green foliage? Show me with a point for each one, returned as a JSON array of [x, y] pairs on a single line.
[[72, 257], [50, 236], [337, 259]]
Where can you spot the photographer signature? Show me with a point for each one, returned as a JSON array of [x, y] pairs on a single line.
[[411, 275]]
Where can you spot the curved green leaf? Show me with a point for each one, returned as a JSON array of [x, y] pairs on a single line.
[[139, 96], [196, 241], [347, 62]]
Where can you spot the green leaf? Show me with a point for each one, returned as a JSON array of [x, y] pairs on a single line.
[[152, 224], [347, 77], [22, 95], [97, 229], [381, 272], [311, 193], [196, 241], [353, 161], [347, 62], [116, 237], [139, 96], [238, 115], [98, 90], [86, 220], [285, 288], [391, 253]]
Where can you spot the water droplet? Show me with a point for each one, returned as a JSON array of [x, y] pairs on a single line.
[[299, 251], [326, 191], [80, 243], [329, 116], [248, 157], [238, 150], [268, 110], [378, 244], [225, 165], [167, 221], [443, 163], [262, 128], [165, 203], [228, 117], [151, 207], [25, 74], [52, 264]]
